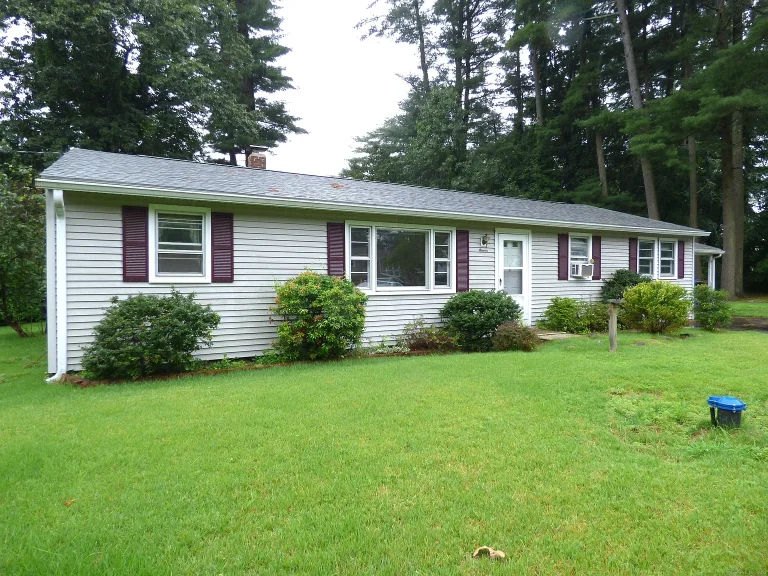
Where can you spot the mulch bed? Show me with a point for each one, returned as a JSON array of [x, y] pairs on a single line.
[[80, 382], [757, 324]]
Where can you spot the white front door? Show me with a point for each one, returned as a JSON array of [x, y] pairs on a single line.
[[514, 269]]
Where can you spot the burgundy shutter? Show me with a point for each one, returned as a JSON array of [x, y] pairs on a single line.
[[462, 260], [597, 256], [633, 254], [135, 244], [562, 256], [222, 247], [336, 248], [681, 258]]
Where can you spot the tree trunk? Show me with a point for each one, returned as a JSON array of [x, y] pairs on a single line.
[[728, 269], [233, 157], [737, 184], [422, 48], [637, 104], [737, 142], [601, 164], [693, 187], [534, 55], [520, 117], [6, 316]]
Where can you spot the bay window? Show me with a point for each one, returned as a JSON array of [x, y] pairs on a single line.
[[386, 258]]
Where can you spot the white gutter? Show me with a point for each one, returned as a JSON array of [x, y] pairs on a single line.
[[61, 286], [180, 194]]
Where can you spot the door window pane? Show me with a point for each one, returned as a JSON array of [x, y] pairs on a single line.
[[513, 254], [401, 258], [513, 281]]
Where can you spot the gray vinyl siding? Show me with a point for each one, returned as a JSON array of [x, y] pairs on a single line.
[[387, 314], [615, 256], [269, 248], [272, 246]]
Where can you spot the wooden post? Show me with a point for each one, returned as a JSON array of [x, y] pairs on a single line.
[[613, 325]]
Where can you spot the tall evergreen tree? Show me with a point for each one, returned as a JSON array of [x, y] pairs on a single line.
[[141, 76]]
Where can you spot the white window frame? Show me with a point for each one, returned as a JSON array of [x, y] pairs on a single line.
[[430, 255], [655, 263], [673, 274], [589, 255], [351, 258], [154, 277]]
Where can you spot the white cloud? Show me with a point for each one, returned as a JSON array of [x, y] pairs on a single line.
[[345, 86]]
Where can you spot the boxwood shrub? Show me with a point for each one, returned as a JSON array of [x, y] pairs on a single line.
[[710, 307], [575, 316], [473, 316], [657, 307], [145, 335], [615, 286], [323, 317], [515, 336]]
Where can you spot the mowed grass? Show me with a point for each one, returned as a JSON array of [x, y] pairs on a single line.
[[572, 460], [752, 307]]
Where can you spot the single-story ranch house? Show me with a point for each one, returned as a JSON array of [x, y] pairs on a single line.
[[120, 225]]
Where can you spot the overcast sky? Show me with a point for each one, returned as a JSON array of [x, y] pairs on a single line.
[[345, 86]]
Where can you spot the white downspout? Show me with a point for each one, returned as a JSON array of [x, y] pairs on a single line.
[[61, 286]]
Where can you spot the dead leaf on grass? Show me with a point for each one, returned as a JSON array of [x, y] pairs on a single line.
[[489, 552], [69, 502]]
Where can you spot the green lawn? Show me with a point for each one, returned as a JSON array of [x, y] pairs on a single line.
[[572, 460], [751, 307]]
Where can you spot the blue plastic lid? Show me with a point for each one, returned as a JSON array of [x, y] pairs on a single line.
[[727, 403]]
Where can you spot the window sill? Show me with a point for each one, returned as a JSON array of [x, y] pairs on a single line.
[[179, 280], [408, 292]]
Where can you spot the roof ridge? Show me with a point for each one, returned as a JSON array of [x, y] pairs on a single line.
[[387, 183], [140, 170]]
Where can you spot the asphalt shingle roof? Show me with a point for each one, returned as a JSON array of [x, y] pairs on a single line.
[[90, 167]]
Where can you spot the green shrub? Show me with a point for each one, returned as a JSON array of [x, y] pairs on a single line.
[[656, 307], [710, 308], [515, 336], [418, 335], [615, 286], [575, 316], [473, 317], [145, 335], [324, 316], [563, 315]]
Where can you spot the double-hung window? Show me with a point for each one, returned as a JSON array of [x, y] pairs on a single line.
[[360, 256], [179, 240], [442, 259], [385, 258], [667, 258], [646, 257], [579, 253]]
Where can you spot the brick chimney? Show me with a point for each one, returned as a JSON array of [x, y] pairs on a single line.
[[257, 158]]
